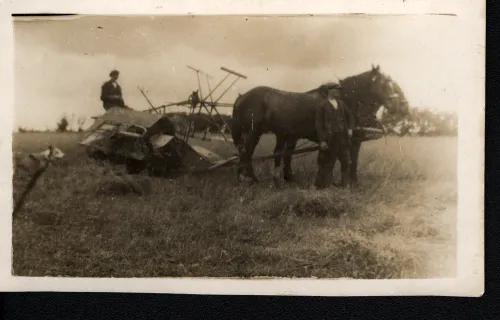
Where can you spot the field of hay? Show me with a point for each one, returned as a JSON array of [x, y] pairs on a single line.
[[400, 222]]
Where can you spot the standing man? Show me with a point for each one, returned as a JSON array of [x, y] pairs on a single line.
[[334, 126], [111, 92]]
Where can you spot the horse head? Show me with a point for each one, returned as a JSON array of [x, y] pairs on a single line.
[[386, 93], [402, 106], [373, 93]]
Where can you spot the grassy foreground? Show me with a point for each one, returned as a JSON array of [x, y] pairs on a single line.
[[400, 223]]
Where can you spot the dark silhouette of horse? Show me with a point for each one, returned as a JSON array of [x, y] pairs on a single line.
[[291, 117]]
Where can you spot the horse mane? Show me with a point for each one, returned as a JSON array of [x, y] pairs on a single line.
[[354, 94], [315, 90], [352, 79]]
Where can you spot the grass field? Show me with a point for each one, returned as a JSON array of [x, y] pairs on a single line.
[[400, 222]]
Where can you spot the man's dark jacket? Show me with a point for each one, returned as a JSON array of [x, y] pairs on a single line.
[[330, 121], [107, 91]]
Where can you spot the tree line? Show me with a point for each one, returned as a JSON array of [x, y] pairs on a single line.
[[420, 122], [424, 122]]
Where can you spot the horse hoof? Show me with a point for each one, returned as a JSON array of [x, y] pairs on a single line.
[[241, 178], [278, 183], [248, 180], [277, 177], [343, 185]]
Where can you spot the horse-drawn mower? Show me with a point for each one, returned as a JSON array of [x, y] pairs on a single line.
[[144, 142], [149, 141]]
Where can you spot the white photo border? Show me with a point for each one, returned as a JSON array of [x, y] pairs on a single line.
[[470, 240]]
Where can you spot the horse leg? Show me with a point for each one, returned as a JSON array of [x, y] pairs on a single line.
[[250, 144], [241, 161], [280, 145], [354, 150], [287, 169], [344, 154]]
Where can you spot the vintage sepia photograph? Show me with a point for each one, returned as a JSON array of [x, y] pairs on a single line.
[[233, 146]]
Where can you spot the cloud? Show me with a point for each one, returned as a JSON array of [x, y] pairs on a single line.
[[261, 41], [60, 65]]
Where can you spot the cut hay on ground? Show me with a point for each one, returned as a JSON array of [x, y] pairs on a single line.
[[400, 223]]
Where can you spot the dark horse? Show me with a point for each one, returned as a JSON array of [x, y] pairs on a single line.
[[291, 117]]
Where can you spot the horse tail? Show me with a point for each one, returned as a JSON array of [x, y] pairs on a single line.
[[236, 124], [247, 106]]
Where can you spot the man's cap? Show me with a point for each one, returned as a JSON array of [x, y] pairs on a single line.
[[114, 72], [324, 88]]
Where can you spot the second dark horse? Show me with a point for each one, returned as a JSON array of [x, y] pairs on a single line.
[[291, 117]]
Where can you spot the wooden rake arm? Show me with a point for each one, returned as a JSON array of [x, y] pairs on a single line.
[[233, 72]]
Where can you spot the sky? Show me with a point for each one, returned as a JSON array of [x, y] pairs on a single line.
[[60, 65]]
